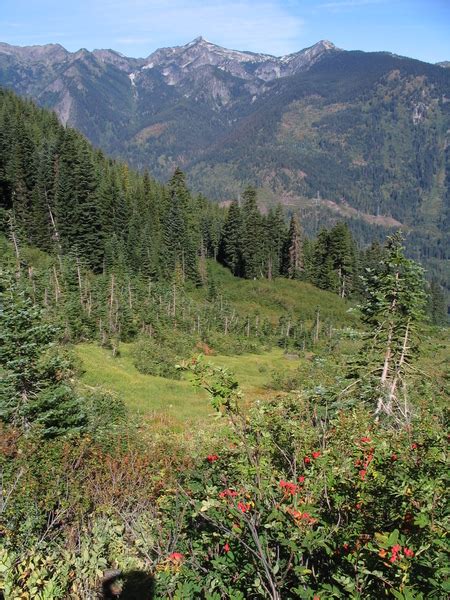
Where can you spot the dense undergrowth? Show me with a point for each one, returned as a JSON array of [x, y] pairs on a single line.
[[296, 501], [334, 487]]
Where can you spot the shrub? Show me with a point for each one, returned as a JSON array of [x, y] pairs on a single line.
[[106, 414], [232, 345], [159, 355], [151, 358], [72, 509], [294, 507]]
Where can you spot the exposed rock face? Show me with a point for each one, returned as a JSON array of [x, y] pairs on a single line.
[[49, 54], [41, 69], [180, 62], [112, 98]]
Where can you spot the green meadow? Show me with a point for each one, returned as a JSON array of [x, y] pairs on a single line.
[[271, 299], [171, 402]]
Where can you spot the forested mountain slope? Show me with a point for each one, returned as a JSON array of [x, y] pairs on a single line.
[[327, 132], [59, 194]]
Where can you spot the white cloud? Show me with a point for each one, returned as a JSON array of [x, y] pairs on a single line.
[[268, 25]]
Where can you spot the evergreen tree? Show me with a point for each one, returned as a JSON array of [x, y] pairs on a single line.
[[335, 260], [230, 242], [211, 225], [293, 251], [65, 191], [88, 233], [275, 239], [392, 309], [308, 259], [322, 268], [44, 235], [373, 255], [252, 237], [181, 236], [32, 391], [436, 305], [342, 250], [369, 259]]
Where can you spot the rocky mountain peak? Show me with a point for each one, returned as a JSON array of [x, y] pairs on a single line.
[[177, 63], [199, 40], [228, 116], [326, 45], [112, 57], [45, 53]]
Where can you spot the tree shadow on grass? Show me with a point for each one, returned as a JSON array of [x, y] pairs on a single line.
[[131, 585]]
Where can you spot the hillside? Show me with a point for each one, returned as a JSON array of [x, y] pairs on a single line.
[[330, 133], [59, 194]]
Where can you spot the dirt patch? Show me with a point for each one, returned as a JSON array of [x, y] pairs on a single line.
[[152, 131], [204, 349]]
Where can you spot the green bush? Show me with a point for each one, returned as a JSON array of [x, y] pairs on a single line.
[[106, 414], [232, 345], [296, 509], [160, 354], [151, 358]]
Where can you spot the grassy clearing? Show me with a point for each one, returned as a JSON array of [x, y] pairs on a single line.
[[271, 299], [169, 402]]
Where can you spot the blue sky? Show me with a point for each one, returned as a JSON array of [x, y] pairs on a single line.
[[416, 28]]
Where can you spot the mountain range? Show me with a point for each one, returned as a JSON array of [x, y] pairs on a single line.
[[328, 133]]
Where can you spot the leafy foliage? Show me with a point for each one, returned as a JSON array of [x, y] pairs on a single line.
[[290, 509]]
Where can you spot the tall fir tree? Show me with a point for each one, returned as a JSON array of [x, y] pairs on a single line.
[[275, 234], [335, 263], [230, 243], [89, 242], [293, 259], [342, 250], [322, 266], [393, 307], [252, 237], [181, 237]]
